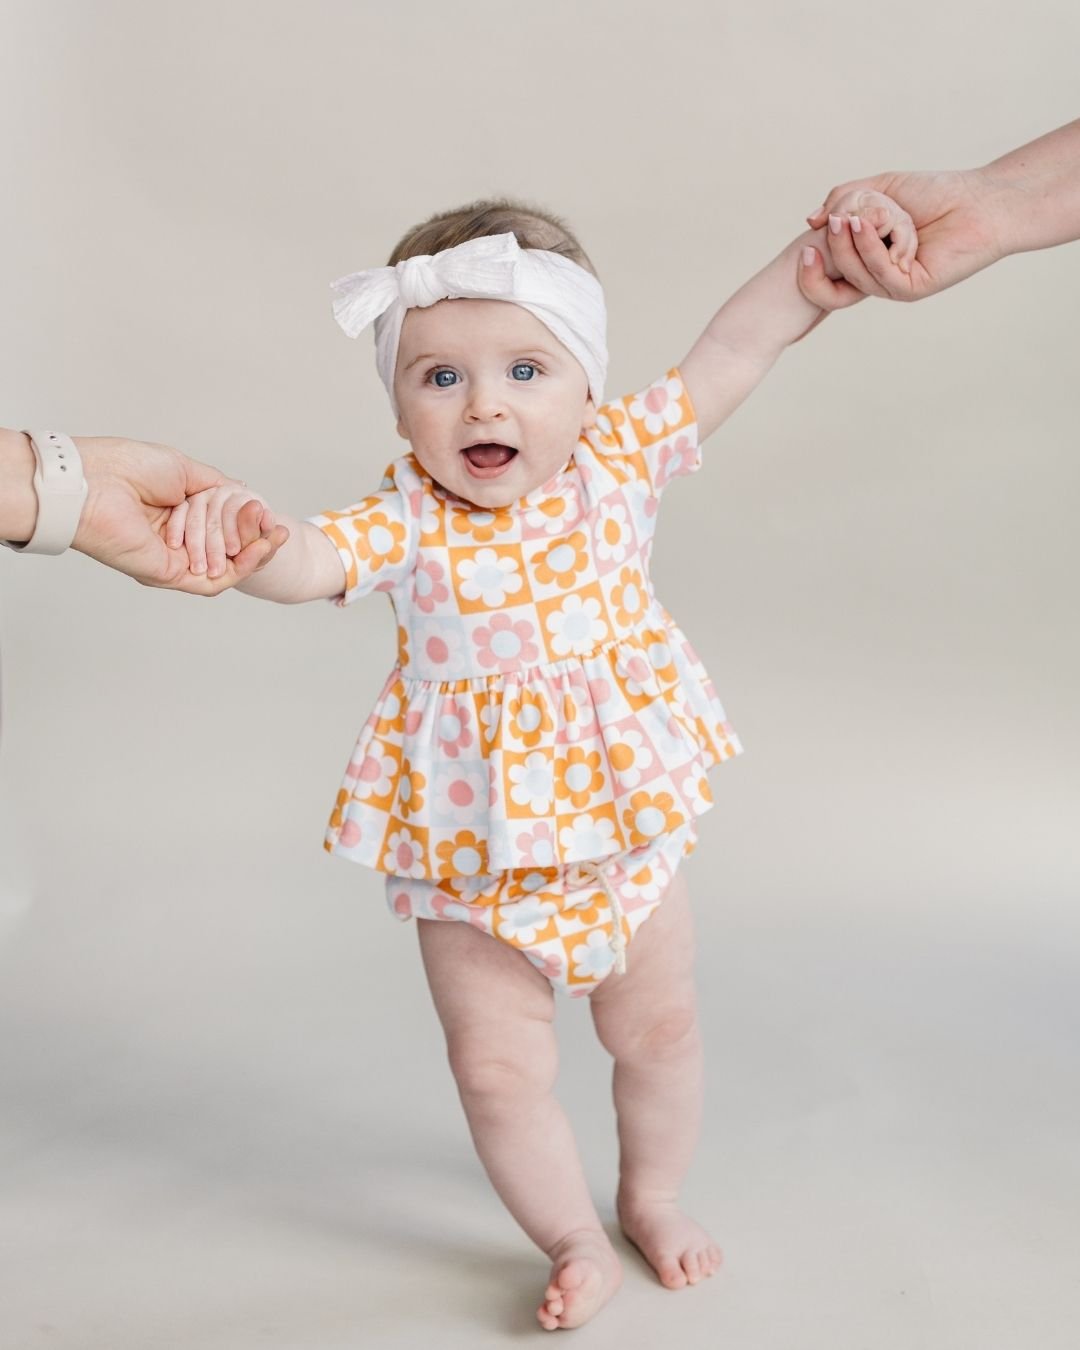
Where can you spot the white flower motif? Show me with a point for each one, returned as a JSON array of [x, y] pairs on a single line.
[[404, 855], [376, 776], [521, 920], [460, 794], [631, 756], [659, 654], [587, 837], [658, 406], [648, 886], [559, 515], [533, 783], [612, 533], [482, 884], [593, 956], [577, 627], [667, 734], [451, 909], [489, 578]]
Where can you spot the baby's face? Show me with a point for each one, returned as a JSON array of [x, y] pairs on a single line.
[[489, 375]]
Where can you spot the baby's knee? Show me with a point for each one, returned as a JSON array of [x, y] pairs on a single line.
[[494, 1069], [667, 1032]]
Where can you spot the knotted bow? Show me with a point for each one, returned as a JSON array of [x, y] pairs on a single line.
[[477, 269]]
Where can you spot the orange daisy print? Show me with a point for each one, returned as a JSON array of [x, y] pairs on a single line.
[[530, 719], [411, 784], [650, 814], [480, 526], [629, 597], [578, 776], [379, 540], [560, 564], [463, 856]]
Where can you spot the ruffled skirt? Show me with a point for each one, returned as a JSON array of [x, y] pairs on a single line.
[[575, 760]]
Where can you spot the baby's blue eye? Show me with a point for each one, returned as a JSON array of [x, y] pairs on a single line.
[[445, 384], [524, 365]]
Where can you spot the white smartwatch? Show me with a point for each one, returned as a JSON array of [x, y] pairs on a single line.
[[61, 490]]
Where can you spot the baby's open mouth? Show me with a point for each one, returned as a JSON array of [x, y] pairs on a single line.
[[488, 458]]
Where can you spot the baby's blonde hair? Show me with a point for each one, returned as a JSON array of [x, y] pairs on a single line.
[[531, 226]]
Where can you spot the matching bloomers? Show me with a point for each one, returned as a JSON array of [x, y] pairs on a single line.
[[545, 710]]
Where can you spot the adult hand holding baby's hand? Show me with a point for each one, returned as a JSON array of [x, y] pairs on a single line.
[[216, 526], [133, 487], [870, 248]]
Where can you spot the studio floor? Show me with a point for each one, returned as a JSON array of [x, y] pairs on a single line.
[[198, 1154]]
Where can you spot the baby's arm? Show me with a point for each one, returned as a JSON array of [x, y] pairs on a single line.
[[746, 336], [214, 525]]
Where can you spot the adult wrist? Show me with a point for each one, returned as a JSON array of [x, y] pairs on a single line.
[[18, 500], [1001, 202]]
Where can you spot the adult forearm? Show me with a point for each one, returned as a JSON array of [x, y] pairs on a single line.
[[1034, 191], [18, 500]]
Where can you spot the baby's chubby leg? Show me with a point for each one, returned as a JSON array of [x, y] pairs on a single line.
[[647, 1019], [497, 1011]]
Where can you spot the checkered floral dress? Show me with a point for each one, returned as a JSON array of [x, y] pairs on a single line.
[[545, 708]]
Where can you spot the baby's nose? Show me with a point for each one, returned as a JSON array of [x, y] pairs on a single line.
[[484, 404]]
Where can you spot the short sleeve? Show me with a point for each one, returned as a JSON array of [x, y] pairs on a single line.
[[376, 538], [652, 435]]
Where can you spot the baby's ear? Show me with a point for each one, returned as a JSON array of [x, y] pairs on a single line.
[[401, 429], [589, 417]]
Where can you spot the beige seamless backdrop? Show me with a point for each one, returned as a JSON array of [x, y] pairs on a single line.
[[225, 1113]]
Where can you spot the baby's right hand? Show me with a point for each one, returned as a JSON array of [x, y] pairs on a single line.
[[217, 524]]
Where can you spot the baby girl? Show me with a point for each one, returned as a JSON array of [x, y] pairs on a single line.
[[535, 765]]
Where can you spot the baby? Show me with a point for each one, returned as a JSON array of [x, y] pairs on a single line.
[[534, 767]]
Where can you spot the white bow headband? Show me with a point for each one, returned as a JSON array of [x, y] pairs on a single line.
[[564, 297]]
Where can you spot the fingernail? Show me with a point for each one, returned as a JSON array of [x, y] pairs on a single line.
[[198, 567], [808, 257], [856, 223], [834, 224]]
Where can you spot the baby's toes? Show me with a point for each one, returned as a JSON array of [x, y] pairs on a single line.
[[550, 1311], [670, 1271], [692, 1265], [716, 1258], [553, 1299]]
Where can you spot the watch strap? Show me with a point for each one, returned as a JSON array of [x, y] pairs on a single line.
[[61, 491]]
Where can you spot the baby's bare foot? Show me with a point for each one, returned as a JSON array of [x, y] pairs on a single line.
[[677, 1248], [585, 1272]]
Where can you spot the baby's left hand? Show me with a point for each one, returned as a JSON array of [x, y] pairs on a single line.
[[886, 218], [867, 233]]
